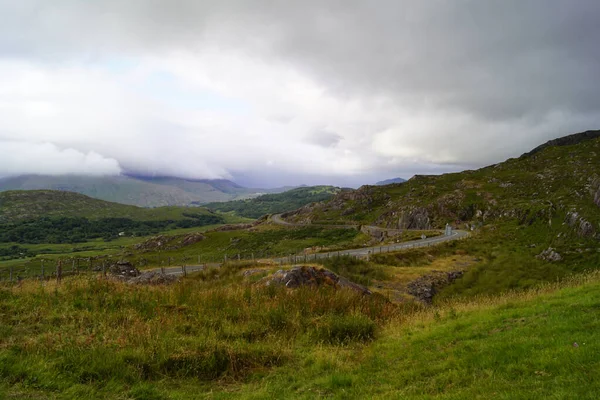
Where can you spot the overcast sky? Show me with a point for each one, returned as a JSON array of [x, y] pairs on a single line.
[[289, 92]]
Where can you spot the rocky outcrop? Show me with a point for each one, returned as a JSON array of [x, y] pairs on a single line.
[[312, 277], [596, 191], [417, 218], [426, 287], [550, 255], [162, 242], [123, 270], [583, 227]]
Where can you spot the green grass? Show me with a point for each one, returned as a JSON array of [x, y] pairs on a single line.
[[32, 204], [207, 338], [519, 346], [276, 203], [96, 338]]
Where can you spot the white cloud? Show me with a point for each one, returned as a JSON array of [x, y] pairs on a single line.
[[337, 90], [18, 158]]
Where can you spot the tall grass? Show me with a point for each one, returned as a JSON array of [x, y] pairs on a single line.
[[90, 331]]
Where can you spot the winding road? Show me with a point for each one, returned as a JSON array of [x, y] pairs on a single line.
[[362, 252]]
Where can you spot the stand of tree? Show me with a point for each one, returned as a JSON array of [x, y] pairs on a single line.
[[78, 230], [277, 202]]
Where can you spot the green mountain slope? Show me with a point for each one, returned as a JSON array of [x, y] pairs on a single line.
[[533, 218], [143, 192], [32, 204], [276, 203], [553, 180]]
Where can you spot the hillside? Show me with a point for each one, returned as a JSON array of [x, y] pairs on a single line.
[[276, 203], [520, 211], [139, 191], [552, 180], [32, 204]]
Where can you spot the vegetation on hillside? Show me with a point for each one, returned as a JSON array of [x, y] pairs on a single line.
[[33, 204], [217, 335], [80, 230], [276, 203], [549, 198]]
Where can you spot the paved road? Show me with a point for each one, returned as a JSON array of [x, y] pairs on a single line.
[[362, 252]]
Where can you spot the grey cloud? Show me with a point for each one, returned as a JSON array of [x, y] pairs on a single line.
[[496, 77], [324, 138]]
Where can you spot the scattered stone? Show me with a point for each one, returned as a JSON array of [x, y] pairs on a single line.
[[425, 287], [310, 276], [549, 254], [153, 278], [250, 272], [162, 242], [123, 269]]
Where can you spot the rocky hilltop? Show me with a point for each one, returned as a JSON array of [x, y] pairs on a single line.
[[559, 179]]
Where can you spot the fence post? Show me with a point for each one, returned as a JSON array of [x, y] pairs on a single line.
[[59, 271], [238, 256], [103, 268], [11, 274], [73, 267], [252, 257], [198, 259]]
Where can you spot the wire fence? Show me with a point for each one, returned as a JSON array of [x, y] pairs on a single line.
[[182, 265]]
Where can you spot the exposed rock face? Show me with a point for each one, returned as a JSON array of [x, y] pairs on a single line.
[[153, 278], [549, 254], [425, 287], [313, 277], [418, 218], [596, 191], [583, 227], [123, 270]]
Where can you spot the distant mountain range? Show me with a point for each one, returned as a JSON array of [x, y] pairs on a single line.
[[139, 191], [390, 181]]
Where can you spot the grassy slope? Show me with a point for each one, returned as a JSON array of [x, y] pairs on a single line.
[[523, 346], [19, 205], [518, 207], [212, 338], [555, 177], [276, 203]]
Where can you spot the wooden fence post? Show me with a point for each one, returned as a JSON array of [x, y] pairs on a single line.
[[59, 272]]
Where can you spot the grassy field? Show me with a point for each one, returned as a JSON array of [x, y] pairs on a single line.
[[218, 336]]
